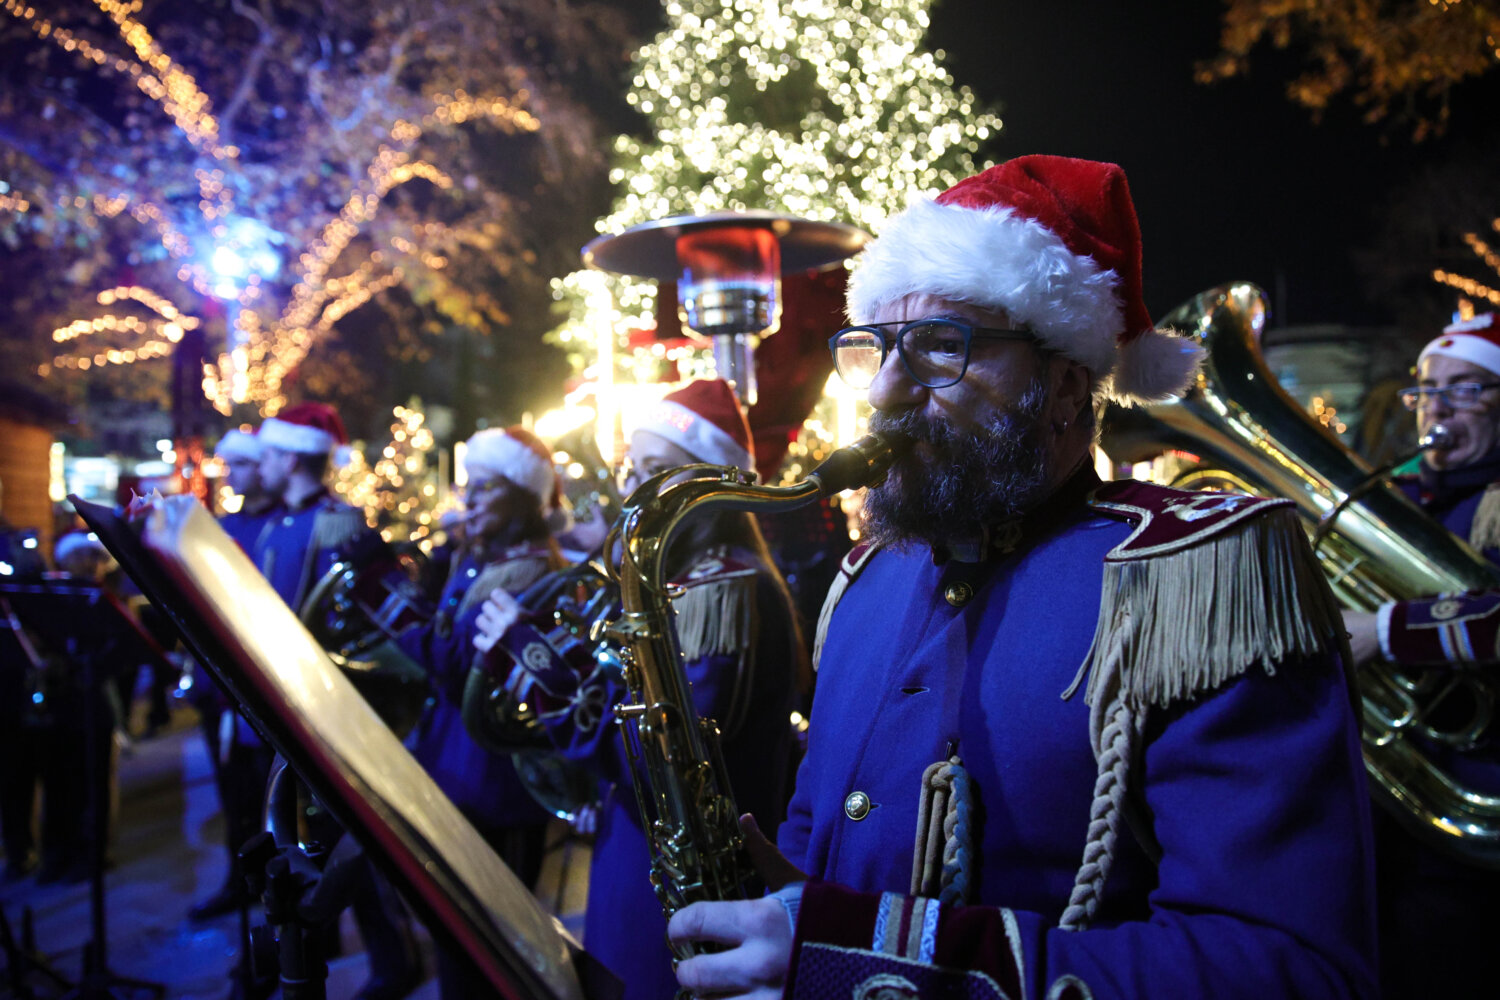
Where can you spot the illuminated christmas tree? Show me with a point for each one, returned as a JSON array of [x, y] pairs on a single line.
[[401, 490], [824, 109]]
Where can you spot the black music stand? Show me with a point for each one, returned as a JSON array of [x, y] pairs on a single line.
[[90, 627], [308, 710]]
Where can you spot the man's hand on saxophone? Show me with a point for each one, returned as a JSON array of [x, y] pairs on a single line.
[[756, 933]]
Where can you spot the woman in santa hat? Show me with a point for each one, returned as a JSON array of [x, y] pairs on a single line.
[[743, 655]]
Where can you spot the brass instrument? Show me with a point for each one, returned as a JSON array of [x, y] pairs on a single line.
[[1241, 431], [505, 705], [687, 807]]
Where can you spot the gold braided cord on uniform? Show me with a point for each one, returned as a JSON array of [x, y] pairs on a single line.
[[1175, 626], [1484, 532]]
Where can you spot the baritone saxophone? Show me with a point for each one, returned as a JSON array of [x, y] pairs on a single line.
[[682, 789]]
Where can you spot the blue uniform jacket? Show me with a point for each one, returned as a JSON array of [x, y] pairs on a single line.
[[483, 785], [1254, 794]]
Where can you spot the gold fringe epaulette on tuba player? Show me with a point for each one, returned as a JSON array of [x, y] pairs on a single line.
[[687, 807], [1244, 433]]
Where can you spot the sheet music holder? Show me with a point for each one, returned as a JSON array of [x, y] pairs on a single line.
[[309, 711]]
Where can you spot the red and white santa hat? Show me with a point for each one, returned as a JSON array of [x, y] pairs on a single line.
[[1054, 242], [307, 429], [238, 444], [704, 419], [1475, 340], [518, 455]]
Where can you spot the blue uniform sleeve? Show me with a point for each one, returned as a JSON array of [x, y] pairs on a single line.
[[1265, 883]]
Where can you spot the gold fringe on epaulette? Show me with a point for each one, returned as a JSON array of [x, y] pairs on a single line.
[[336, 527], [1484, 532], [1178, 625], [716, 617], [512, 576]]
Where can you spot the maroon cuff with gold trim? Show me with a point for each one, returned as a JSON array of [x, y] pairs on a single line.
[[866, 945], [1464, 628]]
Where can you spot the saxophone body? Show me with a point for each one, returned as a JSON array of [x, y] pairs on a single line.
[[1239, 430], [682, 788]]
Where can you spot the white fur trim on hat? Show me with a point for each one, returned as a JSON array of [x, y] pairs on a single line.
[[1155, 367], [237, 444], [492, 452], [1464, 342], [299, 438], [694, 434], [995, 259]]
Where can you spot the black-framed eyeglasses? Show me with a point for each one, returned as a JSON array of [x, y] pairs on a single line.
[[934, 351], [1459, 395]]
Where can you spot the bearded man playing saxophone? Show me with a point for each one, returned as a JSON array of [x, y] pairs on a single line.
[[1112, 716], [1434, 909]]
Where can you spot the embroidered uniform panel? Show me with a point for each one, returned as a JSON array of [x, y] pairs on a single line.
[[827, 971]]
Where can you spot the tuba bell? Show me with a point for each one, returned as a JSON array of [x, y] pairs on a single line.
[[1237, 429]]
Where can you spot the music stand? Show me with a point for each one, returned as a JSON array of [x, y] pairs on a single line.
[[305, 707], [89, 626]]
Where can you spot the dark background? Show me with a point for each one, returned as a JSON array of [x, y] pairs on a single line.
[[1231, 180]]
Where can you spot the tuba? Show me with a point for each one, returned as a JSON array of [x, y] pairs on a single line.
[[1239, 430], [682, 788]]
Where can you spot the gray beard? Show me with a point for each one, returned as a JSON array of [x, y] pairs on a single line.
[[964, 481]]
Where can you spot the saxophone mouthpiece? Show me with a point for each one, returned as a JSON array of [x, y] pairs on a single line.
[[863, 463], [1437, 439]]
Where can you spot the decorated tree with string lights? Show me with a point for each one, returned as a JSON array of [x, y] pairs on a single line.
[[824, 109], [401, 487], [257, 174]]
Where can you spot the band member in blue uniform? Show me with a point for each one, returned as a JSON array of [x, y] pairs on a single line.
[[1070, 739], [511, 489], [1433, 908], [240, 451], [742, 653], [302, 536]]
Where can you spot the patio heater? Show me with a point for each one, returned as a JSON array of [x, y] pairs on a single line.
[[728, 267]]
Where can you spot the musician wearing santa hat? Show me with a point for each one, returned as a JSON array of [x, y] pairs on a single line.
[[240, 451], [1070, 738], [742, 655], [1433, 908], [304, 533]]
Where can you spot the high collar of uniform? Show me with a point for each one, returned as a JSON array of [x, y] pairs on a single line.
[[1004, 537], [1441, 484]]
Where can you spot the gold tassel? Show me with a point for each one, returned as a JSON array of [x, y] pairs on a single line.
[[512, 576], [1484, 532], [335, 527], [717, 616], [1177, 625]]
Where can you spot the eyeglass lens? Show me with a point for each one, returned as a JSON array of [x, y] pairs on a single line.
[[935, 353], [1460, 396]]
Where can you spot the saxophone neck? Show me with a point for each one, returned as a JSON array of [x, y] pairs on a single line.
[[863, 463]]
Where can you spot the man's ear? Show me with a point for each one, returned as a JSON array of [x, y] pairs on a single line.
[[1071, 388]]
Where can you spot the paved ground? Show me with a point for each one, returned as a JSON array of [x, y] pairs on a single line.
[[167, 852]]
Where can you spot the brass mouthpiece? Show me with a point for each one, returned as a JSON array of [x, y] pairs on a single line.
[[1437, 439], [863, 463]]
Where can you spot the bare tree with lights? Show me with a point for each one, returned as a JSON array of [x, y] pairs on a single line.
[[1395, 61], [266, 170]]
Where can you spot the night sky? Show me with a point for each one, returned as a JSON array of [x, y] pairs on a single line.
[[1231, 180]]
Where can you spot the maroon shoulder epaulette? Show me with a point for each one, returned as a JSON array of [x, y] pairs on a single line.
[[855, 559], [1169, 520], [715, 565]]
